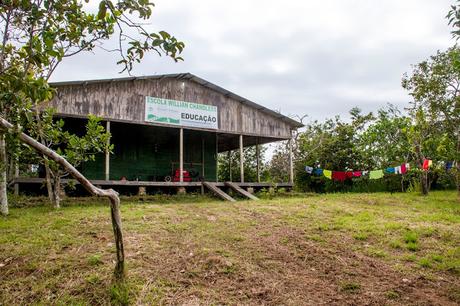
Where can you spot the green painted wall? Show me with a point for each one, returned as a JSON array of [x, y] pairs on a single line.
[[150, 153]]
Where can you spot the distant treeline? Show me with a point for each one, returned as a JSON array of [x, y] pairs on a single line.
[[428, 128]]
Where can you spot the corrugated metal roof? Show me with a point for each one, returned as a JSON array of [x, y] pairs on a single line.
[[194, 78]]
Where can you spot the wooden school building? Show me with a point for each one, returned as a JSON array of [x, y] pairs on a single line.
[[168, 129]]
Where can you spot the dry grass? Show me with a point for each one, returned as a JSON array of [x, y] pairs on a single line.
[[330, 249]]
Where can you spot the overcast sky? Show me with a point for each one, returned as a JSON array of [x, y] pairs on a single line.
[[319, 58]]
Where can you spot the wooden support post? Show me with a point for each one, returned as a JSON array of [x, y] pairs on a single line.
[[229, 158], [142, 191], [202, 157], [202, 164], [181, 155], [16, 176], [241, 160], [107, 154], [217, 157], [258, 160], [291, 166]]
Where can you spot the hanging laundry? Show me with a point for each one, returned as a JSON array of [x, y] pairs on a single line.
[[376, 174], [390, 170], [309, 169], [357, 173], [449, 165], [349, 174], [318, 171], [365, 172], [426, 164], [404, 168], [339, 176], [398, 170], [327, 174]]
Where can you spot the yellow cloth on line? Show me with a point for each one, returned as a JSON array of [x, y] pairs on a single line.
[[376, 174], [328, 174]]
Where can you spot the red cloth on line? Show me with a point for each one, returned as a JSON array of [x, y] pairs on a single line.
[[357, 173], [339, 176], [426, 164], [403, 169], [349, 174]]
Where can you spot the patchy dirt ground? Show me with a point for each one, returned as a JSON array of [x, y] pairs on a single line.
[[336, 250]]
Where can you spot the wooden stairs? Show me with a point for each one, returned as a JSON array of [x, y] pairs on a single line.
[[225, 196], [219, 192], [241, 191]]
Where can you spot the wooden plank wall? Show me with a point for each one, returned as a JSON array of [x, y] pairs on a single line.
[[124, 101]]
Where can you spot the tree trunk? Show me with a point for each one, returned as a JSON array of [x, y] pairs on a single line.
[[48, 181], [49, 185], [3, 181], [109, 193], [424, 182], [57, 192], [424, 176], [117, 232], [458, 179], [457, 161]]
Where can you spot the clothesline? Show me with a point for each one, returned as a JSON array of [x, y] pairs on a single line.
[[372, 174]]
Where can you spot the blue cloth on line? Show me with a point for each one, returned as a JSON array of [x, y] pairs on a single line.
[[449, 165], [318, 171], [390, 170]]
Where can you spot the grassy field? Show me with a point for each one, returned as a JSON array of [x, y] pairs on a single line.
[[330, 249]]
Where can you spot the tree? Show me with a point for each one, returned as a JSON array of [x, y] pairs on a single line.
[[7, 127], [278, 167], [384, 143], [37, 35], [75, 149], [434, 85], [249, 165], [332, 144]]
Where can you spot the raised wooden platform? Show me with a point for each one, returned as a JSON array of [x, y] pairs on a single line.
[[28, 180]]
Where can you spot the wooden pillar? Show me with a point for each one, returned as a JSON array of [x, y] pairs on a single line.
[[291, 166], [241, 160], [229, 158], [142, 191], [202, 165], [107, 154], [217, 157], [202, 157], [258, 160], [181, 155], [16, 176]]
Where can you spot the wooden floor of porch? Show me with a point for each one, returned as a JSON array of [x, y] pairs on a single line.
[[217, 188], [108, 183]]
